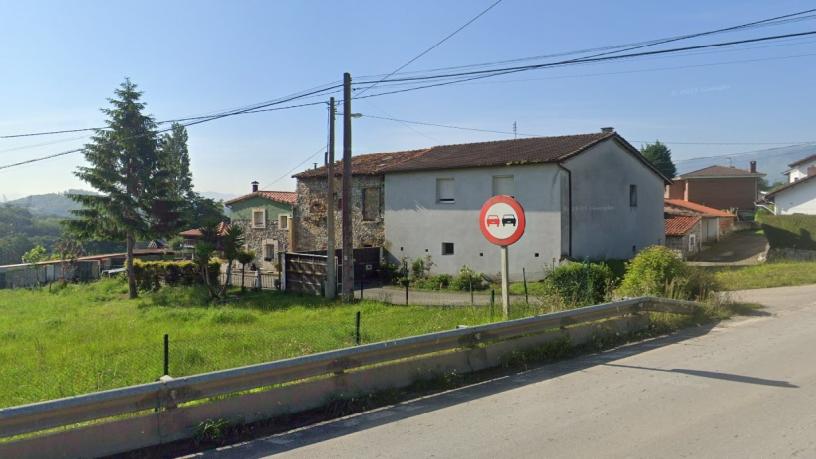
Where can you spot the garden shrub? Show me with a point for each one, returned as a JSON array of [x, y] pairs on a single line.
[[437, 282], [658, 271], [150, 275], [466, 278], [580, 283], [654, 271]]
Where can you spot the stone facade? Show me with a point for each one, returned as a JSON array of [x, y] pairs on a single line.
[[688, 244], [257, 238], [310, 230]]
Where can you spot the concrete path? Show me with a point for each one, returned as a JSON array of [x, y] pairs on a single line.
[[737, 249], [745, 388]]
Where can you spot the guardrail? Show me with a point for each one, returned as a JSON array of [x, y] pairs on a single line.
[[151, 414]]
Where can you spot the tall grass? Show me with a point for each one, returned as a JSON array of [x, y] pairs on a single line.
[[84, 338]]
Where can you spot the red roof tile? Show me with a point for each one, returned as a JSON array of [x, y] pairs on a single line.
[[283, 197], [680, 225], [698, 208], [368, 164]]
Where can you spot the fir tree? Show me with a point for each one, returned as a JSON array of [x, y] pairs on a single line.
[[130, 171]]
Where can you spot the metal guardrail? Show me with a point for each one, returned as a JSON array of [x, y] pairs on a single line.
[[167, 395]]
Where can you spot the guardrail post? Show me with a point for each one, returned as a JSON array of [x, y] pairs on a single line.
[[166, 354]]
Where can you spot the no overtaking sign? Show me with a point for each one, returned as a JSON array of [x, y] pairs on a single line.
[[502, 220]]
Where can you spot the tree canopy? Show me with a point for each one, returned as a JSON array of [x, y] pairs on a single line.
[[660, 156]]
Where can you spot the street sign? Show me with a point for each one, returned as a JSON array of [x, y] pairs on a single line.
[[502, 220]]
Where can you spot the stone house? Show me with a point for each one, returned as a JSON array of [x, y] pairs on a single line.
[[585, 196], [266, 217], [683, 233]]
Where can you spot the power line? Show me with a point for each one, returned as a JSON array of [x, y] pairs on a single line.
[[320, 150], [448, 37]]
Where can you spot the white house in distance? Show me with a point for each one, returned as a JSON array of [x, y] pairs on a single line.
[[799, 195]]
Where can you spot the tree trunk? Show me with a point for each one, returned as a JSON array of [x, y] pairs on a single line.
[[133, 292]]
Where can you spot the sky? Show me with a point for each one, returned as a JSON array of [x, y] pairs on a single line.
[[62, 60]]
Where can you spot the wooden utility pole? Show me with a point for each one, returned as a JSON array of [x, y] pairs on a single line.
[[331, 276], [348, 257]]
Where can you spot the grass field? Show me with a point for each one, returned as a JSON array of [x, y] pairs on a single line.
[[776, 274], [90, 337]]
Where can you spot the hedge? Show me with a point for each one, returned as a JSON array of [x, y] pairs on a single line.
[[151, 274], [790, 231]]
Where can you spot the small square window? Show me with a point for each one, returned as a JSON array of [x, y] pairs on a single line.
[[447, 248], [444, 191], [504, 184], [258, 218], [632, 195]]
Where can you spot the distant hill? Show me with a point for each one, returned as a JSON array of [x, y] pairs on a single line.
[[773, 161], [57, 204]]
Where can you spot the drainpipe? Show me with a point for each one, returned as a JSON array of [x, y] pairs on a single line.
[[569, 208]]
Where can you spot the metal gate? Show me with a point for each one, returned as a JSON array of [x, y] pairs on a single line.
[[303, 272]]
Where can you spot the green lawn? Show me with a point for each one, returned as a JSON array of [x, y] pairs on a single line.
[[776, 274], [85, 338]]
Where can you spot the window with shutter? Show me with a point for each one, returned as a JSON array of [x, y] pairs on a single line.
[[504, 184], [445, 191]]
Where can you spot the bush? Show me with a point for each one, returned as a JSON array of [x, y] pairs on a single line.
[[467, 278], [580, 283], [151, 274], [654, 271], [658, 271], [437, 282], [789, 231]]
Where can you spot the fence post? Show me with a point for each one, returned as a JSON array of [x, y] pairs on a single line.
[[362, 283], [524, 277], [406, 294], [166, 354], [492, 301], [357, 329], [470, 287]]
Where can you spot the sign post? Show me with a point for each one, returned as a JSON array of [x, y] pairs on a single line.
[[502, 222]]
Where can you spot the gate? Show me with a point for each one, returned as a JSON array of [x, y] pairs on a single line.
[[303, 272]]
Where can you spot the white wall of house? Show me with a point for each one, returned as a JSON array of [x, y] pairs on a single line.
[[417, 224], [604, 223], [798, 199], [800, 171]]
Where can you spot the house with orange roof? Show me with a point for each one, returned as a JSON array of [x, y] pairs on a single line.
[[715, 223], [683, 233]]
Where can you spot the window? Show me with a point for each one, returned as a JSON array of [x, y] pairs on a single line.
[[444, 190], [371, 204], [632, 195], [269, 250], [258, 218], [692, 242], [504, 184], [283, 222], [447, 248]]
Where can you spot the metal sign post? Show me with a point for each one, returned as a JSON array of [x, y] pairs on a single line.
[[502, 222]]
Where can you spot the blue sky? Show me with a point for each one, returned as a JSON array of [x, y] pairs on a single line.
[[61, 60]]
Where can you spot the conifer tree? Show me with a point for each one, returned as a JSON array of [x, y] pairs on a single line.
[[131, 172], [660, 156]]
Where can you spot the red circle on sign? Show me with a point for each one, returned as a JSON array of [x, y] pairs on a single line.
[[499, 219]]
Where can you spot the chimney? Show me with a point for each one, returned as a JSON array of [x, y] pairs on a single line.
[[255, 187], [607, 130], [753, 167]]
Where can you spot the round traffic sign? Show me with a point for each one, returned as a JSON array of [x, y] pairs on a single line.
[[502, 220]]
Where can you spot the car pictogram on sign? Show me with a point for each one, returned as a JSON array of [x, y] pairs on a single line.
[[493, 220], [508, 219]]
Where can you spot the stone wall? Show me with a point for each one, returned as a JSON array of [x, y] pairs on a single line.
[[256, 237], [309, 215]]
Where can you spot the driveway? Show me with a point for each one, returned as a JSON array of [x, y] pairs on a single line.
[[739, 248], [743, 388]]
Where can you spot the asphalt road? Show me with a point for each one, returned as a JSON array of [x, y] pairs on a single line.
[[745, 388]]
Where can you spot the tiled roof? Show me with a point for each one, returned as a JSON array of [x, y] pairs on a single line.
[[790, 185], [720, 171], [697, 208], [803, 160], [368, 164], [283, 197], [680, 225], [533, 150], [196, 232]]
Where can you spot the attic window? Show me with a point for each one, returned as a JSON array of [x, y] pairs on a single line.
[[632, 195]]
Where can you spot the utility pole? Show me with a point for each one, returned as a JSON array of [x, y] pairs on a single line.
[[331, 276], [348, 257]]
